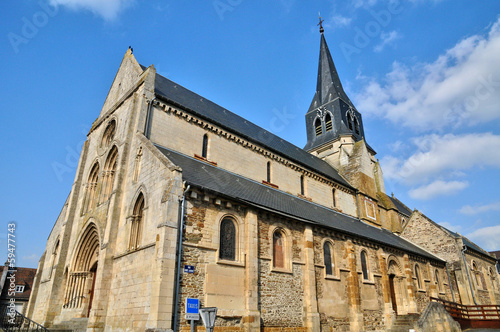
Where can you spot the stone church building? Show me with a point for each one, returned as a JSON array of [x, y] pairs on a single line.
[[279, 236]]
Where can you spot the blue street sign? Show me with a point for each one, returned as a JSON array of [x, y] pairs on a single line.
[[192, 309], [188, 269]]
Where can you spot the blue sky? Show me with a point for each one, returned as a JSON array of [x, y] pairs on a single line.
[[425, 74]]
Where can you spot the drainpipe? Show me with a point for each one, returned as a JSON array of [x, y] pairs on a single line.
[[468, 275], [180, 232], [147, 132], [449, 282]]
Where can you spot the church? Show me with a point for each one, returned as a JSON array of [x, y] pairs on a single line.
[[176, 197]]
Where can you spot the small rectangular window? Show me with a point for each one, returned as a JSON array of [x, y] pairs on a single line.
[[19, 289]]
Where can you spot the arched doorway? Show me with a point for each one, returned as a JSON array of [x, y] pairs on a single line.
[[81, 279], [396, 287]]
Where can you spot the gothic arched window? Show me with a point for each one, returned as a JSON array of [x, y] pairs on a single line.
[[436, 275], [91, 189], [334, 200], [364, 265], [328, 258], [328, 122], [109, 174], [268, 177], [278, 249], [227, 241], [356, 126], [317, 127], [302, 189], [204, 148], [417, 276], [137, 220], [349, 121], [109, 134]]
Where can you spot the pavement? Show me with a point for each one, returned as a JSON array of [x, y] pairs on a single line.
[[482, 330]]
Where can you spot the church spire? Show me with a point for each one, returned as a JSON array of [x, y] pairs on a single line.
[[331, 114], [328, 86]]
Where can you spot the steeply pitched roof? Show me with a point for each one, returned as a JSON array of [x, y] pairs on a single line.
[[400, 206], [208, 177], [194, 103], [328, 86]]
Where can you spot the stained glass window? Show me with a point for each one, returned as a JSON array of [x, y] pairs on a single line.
[[227, 248]]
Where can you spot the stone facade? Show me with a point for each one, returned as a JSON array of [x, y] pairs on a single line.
[[468, 265], [114, 259]]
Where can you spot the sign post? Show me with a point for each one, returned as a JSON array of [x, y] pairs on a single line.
[[208, 316], [192, 311]]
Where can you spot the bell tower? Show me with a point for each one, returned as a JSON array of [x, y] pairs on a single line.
[[335, 131], [331, 115]]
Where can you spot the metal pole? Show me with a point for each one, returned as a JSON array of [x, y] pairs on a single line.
[[192, 325]]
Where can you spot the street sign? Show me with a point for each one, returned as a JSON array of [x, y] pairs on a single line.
[[208, 316], [188, 269], [192, 309]]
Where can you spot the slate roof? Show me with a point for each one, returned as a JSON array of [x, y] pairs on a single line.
[[206, 109], [203, 175], [400, 206]]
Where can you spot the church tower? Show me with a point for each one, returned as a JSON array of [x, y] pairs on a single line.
[[331, 115], [335, 134]]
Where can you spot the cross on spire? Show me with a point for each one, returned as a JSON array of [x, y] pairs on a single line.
[[321, 24]]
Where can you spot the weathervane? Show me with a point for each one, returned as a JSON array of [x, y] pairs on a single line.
[[321, 23]]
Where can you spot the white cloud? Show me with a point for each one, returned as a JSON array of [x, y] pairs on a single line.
[[108, 9], [438, 188], [386, 38], [447, 155], [487, 237], [472, 210], [340, 21], [451, 227], [461, 87]]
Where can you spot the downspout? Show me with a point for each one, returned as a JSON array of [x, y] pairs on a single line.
[[449, 282], [147, 132], [468, 275], [180, 232]]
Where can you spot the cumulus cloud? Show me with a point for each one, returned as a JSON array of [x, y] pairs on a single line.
[[438, 188], [472, 210], [461, 87], [386, 39], [108, 9], [487, 237], [446, 155]]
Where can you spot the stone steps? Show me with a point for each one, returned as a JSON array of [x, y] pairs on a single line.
[[403, 323]]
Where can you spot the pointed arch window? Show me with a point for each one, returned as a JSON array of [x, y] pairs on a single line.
[[317, 127], [356, 126], [109, 174], [475, 273], [109, 134], [137, 220], [334, 200], [417, 276], [328, 258], [91, 189], [349, 121], [302, 189], [436, 275], [268, 176], [328, 122], [204, 149], [278, 249], [364, 265], [227, 241]]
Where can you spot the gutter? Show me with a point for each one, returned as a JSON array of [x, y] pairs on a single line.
[[180, 232], [468, 275]]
